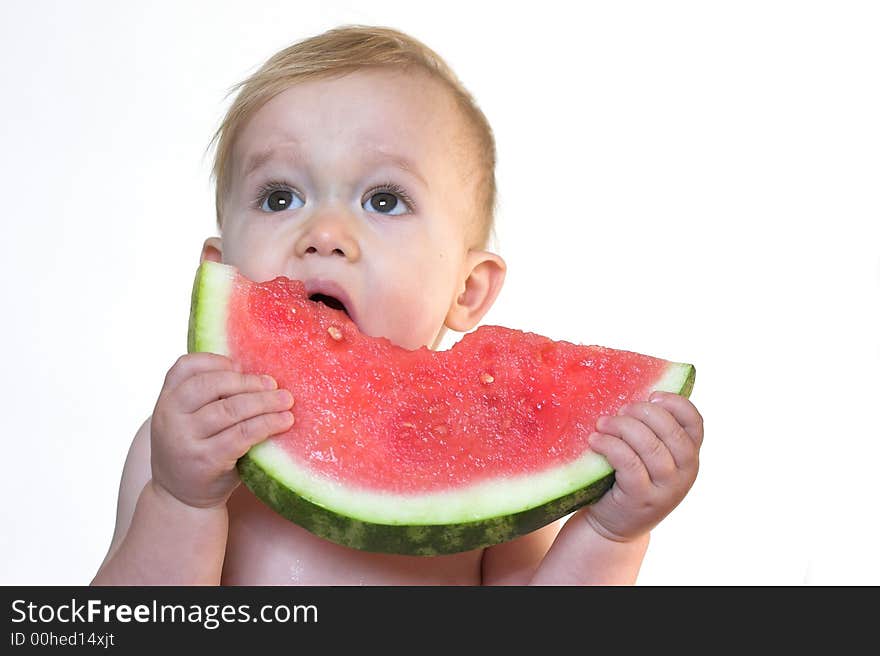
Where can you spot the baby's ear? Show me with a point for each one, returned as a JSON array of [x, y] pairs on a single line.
[[212, 250], [481, 288]]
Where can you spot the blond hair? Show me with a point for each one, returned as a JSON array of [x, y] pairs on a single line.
[[343, 50]]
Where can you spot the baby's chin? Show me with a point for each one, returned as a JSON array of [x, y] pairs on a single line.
[[402, 336]]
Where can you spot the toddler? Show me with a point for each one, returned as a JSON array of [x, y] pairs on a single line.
[[356, 162]]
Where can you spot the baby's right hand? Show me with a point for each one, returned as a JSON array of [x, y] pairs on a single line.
[[208, 415]]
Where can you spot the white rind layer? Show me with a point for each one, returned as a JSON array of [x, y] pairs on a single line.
[[503, 496], [210, 322], [673, 380]]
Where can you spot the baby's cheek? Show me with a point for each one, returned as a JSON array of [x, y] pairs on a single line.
[[258, 264], [410, 320]]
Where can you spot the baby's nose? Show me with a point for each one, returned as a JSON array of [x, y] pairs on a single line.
[[328, 236]]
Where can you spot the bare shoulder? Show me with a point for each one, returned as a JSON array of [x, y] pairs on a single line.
[[135, 474]]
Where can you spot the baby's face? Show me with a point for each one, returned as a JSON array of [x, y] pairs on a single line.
[[357, 186]]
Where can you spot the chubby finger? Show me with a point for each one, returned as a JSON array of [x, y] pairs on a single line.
[[203, 388], [223, 413], [235, 441], [630, 474], [667, 430], [684, 411], [189, 364], [656, 458]]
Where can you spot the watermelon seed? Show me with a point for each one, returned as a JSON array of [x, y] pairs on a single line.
[[335, 333], [406, 424], [487, 378]]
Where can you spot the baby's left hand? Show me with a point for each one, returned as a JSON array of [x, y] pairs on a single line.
[[654, 448]]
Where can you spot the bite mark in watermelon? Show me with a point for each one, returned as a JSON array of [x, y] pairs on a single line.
[[419, 452]]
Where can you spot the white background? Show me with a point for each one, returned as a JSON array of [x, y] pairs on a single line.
[[692, 180]]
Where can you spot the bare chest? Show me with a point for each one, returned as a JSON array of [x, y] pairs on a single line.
[[266, 549]]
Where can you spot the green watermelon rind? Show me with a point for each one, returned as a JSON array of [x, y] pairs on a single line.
[[426, 525], [409, 539]]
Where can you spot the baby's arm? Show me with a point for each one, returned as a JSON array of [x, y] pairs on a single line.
[[584, 558], [158, 540], [515, 562], [171, 524], [654, 448]]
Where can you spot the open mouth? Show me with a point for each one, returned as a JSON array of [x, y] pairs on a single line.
[[330, 301]]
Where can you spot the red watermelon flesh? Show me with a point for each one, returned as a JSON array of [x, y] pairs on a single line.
[[377, 419]]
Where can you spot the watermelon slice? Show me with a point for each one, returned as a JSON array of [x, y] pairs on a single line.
[[419, 452]]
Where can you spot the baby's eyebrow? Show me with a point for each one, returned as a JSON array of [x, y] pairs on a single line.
[[371, 155], [398, 161], [260, 158]]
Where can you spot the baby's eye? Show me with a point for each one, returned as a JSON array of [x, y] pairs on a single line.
[[388, 199], [385, 200], [277, 197]]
